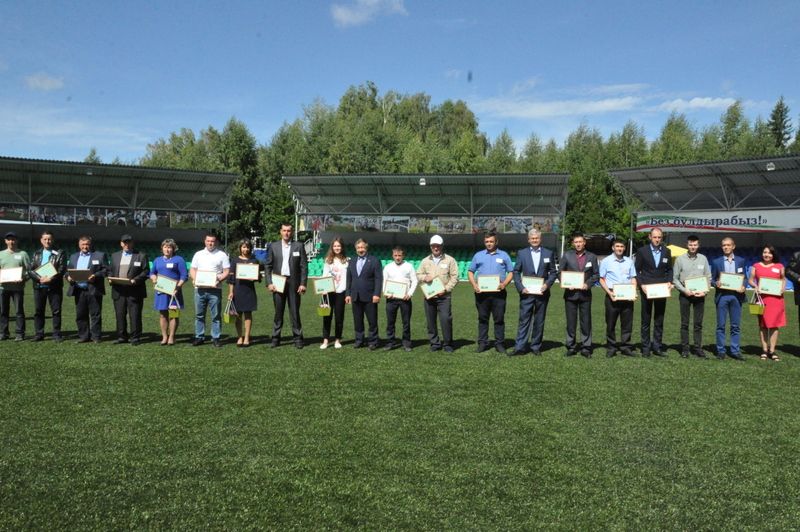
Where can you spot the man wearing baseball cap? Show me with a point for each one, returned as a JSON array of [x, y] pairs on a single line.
[[442, 266], [12, 258], [129, 272]]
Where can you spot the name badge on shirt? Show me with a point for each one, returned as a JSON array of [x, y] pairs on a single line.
[[775, 270], [137, 263], [17, 257], [664, 260], [443, 266], [547, 261], [95, 262], [739, 270], [54, 252], [699, 266], [295, 253], [170, 265], [588, 263], [499, 261]]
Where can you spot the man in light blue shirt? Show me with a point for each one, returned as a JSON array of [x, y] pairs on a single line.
[[614, 270], [491, 262]]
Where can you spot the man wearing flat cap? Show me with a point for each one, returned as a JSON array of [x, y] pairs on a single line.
[[130, 270], [16, 264]]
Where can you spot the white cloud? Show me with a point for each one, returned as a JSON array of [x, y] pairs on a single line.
[[533, 109], [44, 82], [619, 88], [696, 103], [524, 86], [453, 73], [363, 11]]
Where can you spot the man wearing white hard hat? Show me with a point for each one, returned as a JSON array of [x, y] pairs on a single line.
[[443, 267]]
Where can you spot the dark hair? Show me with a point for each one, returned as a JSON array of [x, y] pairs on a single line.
[[210, 234], [244, 242], [331, 255], [287, 224], [618, 241], [693, 238], [47, 232], [578, 234], [85, 237], [490, 234], [400, 249], [771, 248]]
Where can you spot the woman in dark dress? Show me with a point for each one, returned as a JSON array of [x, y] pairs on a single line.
[[243, 293]]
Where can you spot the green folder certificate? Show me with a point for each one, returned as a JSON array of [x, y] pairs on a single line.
[[489, 283], [624, 292], [431, 289], [657, 290], [396, 289], [696, 284], [46, 270], [205, 279], [166, 285], [572, 280], [731, 281], [279, 282], [770, 287], [323, 285], [533, 284]]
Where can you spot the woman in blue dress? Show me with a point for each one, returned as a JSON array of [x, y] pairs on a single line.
[[174, 267]]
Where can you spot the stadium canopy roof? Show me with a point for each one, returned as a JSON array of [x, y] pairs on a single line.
[[64, 183], [441, 195], [763, 183]]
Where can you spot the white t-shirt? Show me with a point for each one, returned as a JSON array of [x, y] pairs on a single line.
[[337, 270], [216, 260]]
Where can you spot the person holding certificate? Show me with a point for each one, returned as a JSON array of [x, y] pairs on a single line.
[[364, 283], [618, 279], [210, 266], [287, 277], [129, 272], [335, 266], [727, 275], [14, 266], [692, 277], [168, 294], [537, 264], [440, 269], [793, 273], [48, 267], [653, 265], [86, 273], [400, 281], [489, 273], [245, 274], [769, 281], [583, 265]]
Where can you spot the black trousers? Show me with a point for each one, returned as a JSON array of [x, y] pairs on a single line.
[[622, 311], [439, 307], [337, 310], [126, 306], [88, 314], [41, 296], [291, 297], [392, 306], [652, 309], [491, 304], [574, 309], [6, 297], [370, 309], [697, 305]]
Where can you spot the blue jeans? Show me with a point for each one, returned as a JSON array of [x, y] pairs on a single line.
[[728, 305], [207, 297]]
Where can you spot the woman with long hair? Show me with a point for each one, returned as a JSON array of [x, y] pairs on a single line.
[[335, 265], [774, 316]]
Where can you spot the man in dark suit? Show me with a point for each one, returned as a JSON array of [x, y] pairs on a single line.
[[729, 302], [48, 288], [533, 261], [88, 294], [364, 284], [793, 273], [653, 265], [129, 272], [288, 259], [579, 300]]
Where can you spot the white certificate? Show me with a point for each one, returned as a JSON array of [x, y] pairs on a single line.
[[279, 282], [11, 275], [205, 279], [533, 284], [572, 280], [246, 272], [656, 290]]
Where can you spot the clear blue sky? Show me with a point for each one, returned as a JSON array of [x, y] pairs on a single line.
[[118, 75]]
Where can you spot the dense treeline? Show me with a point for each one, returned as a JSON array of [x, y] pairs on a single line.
[[394, 133]]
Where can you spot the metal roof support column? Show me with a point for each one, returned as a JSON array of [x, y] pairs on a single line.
[[471, 210]]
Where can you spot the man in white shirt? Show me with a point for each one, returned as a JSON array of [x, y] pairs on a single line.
[[287, 259], [402, 272], [208, 259]]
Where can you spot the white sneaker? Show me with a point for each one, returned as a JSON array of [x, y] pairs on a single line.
[[324, 345], [337, 345]]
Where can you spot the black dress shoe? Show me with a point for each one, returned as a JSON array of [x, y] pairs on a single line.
[[740, 358], [216, 342], [586, 353], [299, 345], [629, 353], [685, 354], [570, 353], [448, 349], [517, 353], [500, 349], [357, 346], [275, 343], [136, 342], [720, 356], [659, 353], [120, 341], [482, 348], [536, 352], [389, 347], [198, 341], [58, 339], [436, 347], [37, 338], [407, 349], [83, 341], [373, 347], [700, 354]]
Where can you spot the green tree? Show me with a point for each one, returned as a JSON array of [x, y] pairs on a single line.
[[628, 148], [735, 132], [502, 155], [780, 125], [92, 157], [710, 147], [676, 143]]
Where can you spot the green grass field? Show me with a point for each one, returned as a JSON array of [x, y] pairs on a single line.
[[150, 437]]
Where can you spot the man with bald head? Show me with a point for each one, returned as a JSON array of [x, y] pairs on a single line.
[[653, 265]]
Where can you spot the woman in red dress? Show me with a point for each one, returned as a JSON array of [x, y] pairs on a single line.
[[774, 315]]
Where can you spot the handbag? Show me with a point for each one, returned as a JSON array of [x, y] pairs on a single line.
[[324, 308], [230, 310], [173, 310], [756, 305]]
